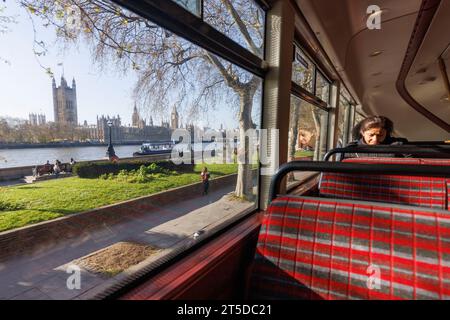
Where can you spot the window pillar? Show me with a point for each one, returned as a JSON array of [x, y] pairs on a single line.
[[336, 109], [345, 134], [277, 84]]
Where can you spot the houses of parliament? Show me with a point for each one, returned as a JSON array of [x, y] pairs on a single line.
[[65, 114]]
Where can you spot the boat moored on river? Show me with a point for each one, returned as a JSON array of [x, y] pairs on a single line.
[[154, 148]]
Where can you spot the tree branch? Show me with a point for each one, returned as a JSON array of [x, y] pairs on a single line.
[[232, 82], [241, 25]]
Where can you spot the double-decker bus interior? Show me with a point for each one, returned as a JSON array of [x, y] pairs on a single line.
[[374, 225], [324, 218]]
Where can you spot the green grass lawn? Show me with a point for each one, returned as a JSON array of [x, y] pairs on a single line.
[[27, 204]]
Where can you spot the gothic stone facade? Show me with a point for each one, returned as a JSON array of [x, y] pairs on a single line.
[[121, 133], [65, 102]]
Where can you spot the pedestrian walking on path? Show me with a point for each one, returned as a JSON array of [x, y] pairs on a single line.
[[205, 179]]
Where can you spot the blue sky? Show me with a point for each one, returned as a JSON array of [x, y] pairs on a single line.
[[26, 88]]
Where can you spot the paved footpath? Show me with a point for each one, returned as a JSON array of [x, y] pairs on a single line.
[[39, 274]]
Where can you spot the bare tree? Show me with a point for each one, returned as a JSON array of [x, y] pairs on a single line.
[[168, 67], [4, 22], [316, 118]]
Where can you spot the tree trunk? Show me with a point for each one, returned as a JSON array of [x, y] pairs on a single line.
[[293, 135], [244, 178], [317, 144]]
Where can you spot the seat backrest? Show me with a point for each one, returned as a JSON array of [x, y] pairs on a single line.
[[384, 160], [441, 162], [436, 162], [312, 248], [420, 191]]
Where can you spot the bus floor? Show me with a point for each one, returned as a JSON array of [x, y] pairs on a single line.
[[41, 274]]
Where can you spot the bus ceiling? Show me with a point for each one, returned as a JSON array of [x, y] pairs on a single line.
[[386, 68]]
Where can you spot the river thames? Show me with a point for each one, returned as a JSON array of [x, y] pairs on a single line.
[[35, 156]]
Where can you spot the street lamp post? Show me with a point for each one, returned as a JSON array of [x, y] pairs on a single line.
[[110, 152]]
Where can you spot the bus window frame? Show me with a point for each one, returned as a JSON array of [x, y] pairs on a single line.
[[303, 93], [311, 97], [180, 21], [193, 29], [319, 72], [349, 116], [296, 47]]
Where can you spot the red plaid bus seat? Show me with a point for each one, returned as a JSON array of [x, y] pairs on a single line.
[[441, 162], [312, 248], [420, 191]]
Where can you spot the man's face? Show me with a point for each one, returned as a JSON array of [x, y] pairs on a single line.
[[374, 136]]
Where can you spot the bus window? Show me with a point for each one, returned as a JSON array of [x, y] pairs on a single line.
[[345, 120], [138, 75], [302, 70], [307, 131], [194, 6], [251, 15], [358, 118], [322, 88]]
